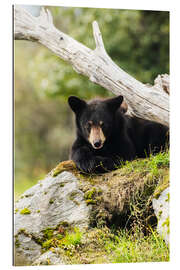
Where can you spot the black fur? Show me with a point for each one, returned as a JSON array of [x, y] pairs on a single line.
[[126, 137]]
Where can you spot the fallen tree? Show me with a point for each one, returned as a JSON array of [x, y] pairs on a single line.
[[148, 102]]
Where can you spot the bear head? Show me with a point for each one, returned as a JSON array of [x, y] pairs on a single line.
[[95, 119]]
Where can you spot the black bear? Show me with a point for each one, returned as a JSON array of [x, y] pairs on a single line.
[[106, 136]]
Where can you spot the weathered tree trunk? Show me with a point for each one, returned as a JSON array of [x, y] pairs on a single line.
[[150, 103]]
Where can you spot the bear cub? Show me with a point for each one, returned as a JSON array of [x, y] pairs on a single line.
[[106, 136]]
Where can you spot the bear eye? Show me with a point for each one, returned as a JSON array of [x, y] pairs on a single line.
[[101, 123], [89, 124]]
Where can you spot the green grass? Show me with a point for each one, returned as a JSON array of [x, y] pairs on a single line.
[[136, 248], [22, 183], [104, 246], [73, 238], [107, 245], [151, 164], [67, 241]]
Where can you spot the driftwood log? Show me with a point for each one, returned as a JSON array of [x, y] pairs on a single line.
[[148, 102]]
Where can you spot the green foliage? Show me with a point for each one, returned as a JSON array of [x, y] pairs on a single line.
[[43, 129], [47, 244], [65, 241], [73, 238], [48, 233]]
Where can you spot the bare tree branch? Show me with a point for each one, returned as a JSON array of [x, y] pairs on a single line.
[[162, 81], [150, 103]]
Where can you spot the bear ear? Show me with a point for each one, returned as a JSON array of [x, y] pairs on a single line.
[[76, 104], [114, 103]]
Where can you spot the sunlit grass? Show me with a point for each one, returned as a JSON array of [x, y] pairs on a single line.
[[135, 248], [150, 164]]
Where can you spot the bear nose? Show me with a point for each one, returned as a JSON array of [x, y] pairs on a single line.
[[97, 144]]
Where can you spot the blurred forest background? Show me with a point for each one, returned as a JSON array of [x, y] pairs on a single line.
[[138, 41]]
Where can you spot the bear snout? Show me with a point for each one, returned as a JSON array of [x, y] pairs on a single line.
[[96, 137], [97, 144]]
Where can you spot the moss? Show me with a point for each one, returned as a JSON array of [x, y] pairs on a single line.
[[17, 243], [51, 201], [64, 224], [68, 165], [48, 244], [54, 234], [28, 195], [25, 211], [160, 213], [38, 211], [91, 201], [59, 236], [38, 240], [163, 184], [167, 223], [22, 230], [73, 195], [93, 196], [16, 210], [76, 202], [62, 185], [90, 194], [168, 197], [99, 191], [67, 240], [48, 233]]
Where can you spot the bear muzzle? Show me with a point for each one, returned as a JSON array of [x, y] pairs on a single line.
[[97, 144], [96, 137]]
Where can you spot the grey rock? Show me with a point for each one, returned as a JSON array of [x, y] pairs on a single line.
[[50, 202], [49, 257], [161, 209], [27, 250]]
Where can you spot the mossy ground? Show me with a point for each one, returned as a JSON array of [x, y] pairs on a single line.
[[128, 190], [106, 245]]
